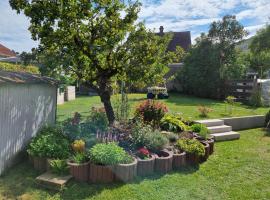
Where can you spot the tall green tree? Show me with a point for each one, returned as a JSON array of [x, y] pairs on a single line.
[[259, 55], [213, 59], [95, 37]]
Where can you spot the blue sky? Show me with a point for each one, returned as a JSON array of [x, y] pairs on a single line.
[[174, 15]]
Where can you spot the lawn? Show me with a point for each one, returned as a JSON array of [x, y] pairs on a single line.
[[237, 170], [186, 105]]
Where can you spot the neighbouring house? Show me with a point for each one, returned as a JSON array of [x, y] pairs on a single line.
[[7, 55], [27, 102], [182, 39]]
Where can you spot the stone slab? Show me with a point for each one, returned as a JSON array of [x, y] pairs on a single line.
[[226, 136], [53, 181]]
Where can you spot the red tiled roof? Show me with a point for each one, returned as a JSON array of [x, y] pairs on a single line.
[[5, 52]]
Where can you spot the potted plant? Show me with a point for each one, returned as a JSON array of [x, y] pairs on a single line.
[[109, 162], [193, 148], [50, 143], [163, 158], [202, 134], [146, 162], [58, 166], [79, 166]]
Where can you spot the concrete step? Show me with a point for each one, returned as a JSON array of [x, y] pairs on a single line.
[[231, 135], [211, 122], [220, 129]]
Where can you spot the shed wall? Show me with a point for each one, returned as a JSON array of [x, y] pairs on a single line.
[[24, 108]]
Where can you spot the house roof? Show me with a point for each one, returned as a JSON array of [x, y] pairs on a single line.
[[182, 39], [5, 52], [23, 77]]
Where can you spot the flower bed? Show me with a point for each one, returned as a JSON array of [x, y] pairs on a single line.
[[163, 162]]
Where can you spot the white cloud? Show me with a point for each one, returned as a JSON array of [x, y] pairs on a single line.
[[13, 29]]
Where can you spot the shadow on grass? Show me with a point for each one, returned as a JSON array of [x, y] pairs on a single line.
[[20, 181]]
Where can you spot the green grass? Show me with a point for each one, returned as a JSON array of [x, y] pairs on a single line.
[[186, 105], [237, 170]]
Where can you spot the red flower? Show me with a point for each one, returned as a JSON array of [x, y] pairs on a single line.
[[144, 151]]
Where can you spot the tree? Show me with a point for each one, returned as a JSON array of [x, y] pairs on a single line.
[[95, 37], [259, 56], [213, 59]]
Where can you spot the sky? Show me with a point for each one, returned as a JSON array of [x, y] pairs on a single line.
[[174, 15]]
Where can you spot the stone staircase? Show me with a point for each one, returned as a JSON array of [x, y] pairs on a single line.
[[219, 130]]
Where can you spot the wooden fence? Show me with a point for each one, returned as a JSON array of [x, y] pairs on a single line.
[[241, 89]]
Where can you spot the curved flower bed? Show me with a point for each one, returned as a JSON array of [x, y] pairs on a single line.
[[146, 166], [163, 162], [80, 172], [179, 160], [126, 172], [100, 173]]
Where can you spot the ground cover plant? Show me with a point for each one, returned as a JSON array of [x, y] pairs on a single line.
[[237, 170]]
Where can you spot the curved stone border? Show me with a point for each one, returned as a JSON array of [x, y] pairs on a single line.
[[179, 160], [80, 172], [163, 164], [126, 172], [100, 173], [146, 167]]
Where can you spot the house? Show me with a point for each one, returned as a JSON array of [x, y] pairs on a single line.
[[27, 102], [7, 55], [182, 39]]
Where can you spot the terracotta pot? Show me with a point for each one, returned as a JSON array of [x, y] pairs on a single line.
[[207, 151], [163, 162], [192, 159], [211, 143], [80, 172], [179, 160], [146, 167], [126, 172], [39, 164], [100, 173]]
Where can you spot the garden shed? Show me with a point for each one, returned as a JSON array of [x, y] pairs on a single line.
[[27, 102]]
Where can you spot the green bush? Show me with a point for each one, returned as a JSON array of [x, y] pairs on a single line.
[[201, 129], [19, 68], [79, 157], [172, 137], [59, 167], [50, 143], [156, 141], [109, 154], [139, 134], [172, 123], [151, 111], [191, 146]]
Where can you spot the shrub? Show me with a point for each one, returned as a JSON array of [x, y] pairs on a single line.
[[109, 154], [79, 157], [172, 137], [49, 143], [230, 101], [204, 111], [201, 129], [156, 141], [172, 123], [191, 146], [59, 167], [151, 111], [139, 134], [98, 119]]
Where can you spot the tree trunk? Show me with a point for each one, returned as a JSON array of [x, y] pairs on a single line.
[[105, 97]]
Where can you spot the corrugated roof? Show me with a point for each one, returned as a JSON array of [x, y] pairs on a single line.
[[23, 77], [5, 52]]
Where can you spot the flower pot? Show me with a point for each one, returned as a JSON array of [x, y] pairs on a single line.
[[146, 167], [126, 172], [100, 173], [39, 164], [80, 172], [207, 150], [192, 159], [163, 162], [211, 143], [179, 160]]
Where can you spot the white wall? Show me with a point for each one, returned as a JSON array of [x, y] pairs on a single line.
[[24, 108]]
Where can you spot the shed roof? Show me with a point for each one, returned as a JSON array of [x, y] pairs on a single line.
[[4, 51], [23, 77]]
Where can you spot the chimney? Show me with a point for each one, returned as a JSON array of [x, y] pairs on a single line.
[[161, 30]]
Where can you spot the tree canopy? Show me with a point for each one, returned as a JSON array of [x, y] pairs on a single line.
[[97, 41]]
